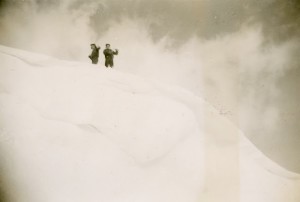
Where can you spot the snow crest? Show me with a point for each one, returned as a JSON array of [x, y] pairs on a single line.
[[79, 132]]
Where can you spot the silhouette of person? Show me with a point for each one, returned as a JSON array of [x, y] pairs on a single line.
[[95, 53], [109, 55]]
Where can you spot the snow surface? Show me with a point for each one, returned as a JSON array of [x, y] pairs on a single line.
[[82, 133]]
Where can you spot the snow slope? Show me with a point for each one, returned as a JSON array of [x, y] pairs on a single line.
[[82, 133]]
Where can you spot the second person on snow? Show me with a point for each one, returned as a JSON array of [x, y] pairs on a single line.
[[109, 56]]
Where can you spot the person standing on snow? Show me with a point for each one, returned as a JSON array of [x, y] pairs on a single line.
[[109, 56], [95, 53]]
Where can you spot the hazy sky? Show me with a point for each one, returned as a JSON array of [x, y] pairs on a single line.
[[240, 55]]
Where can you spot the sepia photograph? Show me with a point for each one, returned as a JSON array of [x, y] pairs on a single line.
[[149, 101]]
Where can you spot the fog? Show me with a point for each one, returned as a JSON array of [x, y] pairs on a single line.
[[241, 56]]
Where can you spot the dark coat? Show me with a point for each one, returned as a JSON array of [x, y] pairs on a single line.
[[109, 56], [94, 55]]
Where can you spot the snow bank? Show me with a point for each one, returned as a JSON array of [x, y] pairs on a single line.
[[79, 132]]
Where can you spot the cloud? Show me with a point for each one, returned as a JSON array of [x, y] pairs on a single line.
[[60, 30]]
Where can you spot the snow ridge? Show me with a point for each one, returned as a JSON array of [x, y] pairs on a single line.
[[78, 132]]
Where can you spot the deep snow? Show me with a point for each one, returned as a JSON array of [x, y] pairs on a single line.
[[78, 132]]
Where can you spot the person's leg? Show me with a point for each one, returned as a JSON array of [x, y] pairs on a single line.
[[94, 61], [112, 63]]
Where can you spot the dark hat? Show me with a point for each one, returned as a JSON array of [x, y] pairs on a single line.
[[92, 44], [107, 44]]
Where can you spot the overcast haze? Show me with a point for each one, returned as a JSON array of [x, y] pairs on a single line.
[[241, 56]]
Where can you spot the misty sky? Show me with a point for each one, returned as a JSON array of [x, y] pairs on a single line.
[[240, 55]]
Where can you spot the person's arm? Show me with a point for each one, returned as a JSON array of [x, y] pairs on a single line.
[[91, 55], [116, 52]]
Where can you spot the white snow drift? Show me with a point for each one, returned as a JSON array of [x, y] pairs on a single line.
[[76, 132]]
